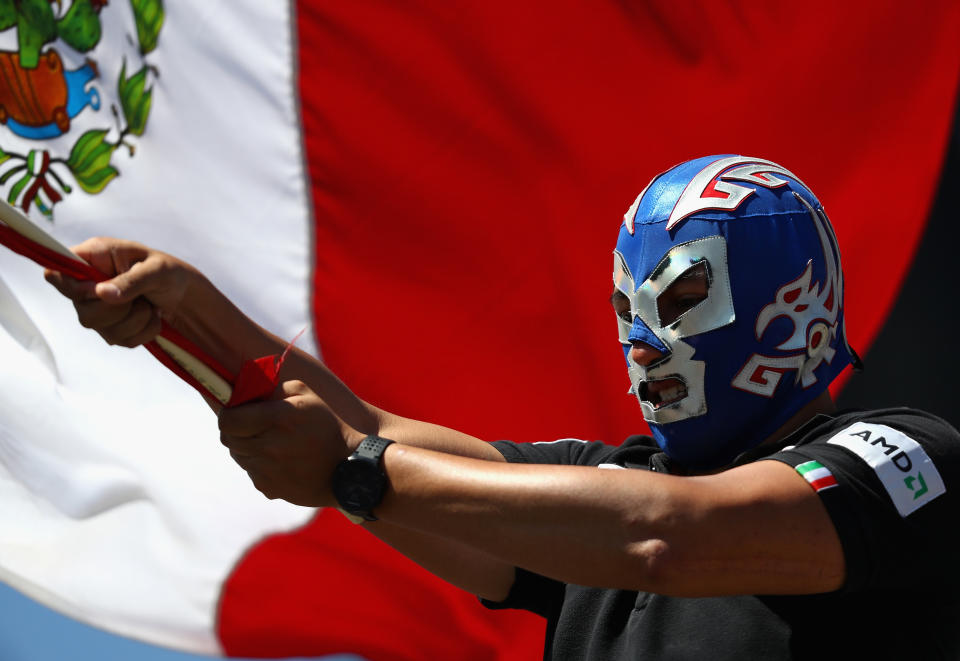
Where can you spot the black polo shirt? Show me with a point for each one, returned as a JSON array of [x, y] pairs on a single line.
[[888, 479]]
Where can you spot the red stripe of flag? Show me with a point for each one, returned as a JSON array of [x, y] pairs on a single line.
[[824, 482], [471, 164]]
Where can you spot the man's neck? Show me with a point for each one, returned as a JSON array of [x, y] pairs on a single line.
[[823, 403]]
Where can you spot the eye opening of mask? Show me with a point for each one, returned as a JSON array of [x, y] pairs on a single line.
[[686, 292], [621, 305]]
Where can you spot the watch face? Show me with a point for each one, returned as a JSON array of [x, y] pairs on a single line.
[[358, 485]]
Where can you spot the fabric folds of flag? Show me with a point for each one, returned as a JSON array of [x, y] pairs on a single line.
[[174, 124]]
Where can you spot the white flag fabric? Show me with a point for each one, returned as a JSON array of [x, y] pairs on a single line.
[[176, 125]]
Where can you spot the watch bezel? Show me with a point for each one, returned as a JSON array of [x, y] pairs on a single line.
[[358, 485], [358, 482]]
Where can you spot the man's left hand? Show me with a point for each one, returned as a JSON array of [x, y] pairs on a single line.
[[290, 445]]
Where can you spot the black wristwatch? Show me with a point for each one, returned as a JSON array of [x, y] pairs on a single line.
[[359, 482]]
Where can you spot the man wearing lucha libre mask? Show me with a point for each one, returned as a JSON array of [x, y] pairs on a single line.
[[757, 522]]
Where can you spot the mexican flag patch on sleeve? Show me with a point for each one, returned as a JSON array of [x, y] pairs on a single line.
[[818, 475]]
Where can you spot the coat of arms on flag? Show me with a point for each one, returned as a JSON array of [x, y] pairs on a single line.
[[69, 104]]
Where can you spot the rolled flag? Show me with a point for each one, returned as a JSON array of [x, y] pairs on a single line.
[[257, 377]]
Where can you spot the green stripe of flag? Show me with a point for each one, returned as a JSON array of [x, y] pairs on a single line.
[[808, 466]]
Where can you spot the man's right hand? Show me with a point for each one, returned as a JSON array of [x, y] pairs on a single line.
[[145, 286]]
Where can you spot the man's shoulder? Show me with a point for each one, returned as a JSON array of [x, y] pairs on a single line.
[[634, 452], [890, 480], [909, 456], [870, 426]]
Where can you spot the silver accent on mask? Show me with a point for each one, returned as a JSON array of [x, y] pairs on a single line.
[[623, 282], [757, 171], [761, 375], [715, 311], [814, 325], [628, 218], [680, 365]]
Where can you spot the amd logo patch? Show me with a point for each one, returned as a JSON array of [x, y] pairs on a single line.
[[907, 473]]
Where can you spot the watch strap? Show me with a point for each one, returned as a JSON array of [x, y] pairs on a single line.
[[370, 450]]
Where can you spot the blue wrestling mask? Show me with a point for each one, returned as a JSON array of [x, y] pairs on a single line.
[[768, 335]]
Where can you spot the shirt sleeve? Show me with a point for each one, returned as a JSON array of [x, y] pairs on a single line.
[[565, 452], [890, 486], [531, 592]]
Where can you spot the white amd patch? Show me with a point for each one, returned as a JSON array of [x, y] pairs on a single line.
[[907, 473]]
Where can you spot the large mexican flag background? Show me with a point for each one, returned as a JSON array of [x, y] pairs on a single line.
[[434, 189]]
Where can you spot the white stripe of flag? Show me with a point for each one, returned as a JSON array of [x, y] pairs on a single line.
[[817, 475]]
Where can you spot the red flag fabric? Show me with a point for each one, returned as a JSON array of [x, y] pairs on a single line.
[[470, 167]]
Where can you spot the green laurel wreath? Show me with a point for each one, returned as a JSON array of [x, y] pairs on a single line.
[[89, 161]]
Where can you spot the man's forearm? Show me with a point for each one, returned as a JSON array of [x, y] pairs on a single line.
[[207, 317], [212, 321], [469, 569], [627, 529], [554, 520]]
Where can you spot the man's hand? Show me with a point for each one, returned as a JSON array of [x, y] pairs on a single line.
[[289, 446], [146, 285]]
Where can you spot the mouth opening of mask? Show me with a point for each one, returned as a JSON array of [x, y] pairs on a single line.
[[660, 393]]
